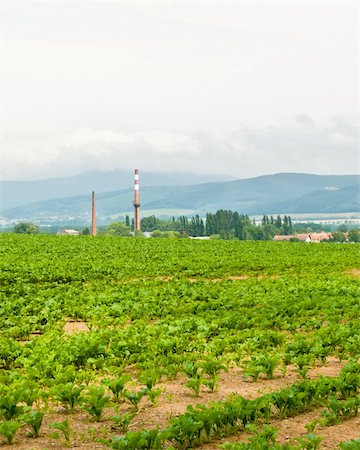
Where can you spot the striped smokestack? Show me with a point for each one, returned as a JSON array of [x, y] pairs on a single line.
[[93, 215], [136, 201]]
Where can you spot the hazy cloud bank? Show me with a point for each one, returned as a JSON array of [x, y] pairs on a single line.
[[302, 146]]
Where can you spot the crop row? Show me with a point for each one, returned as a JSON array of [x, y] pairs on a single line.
[[206, 423], [23, 403]]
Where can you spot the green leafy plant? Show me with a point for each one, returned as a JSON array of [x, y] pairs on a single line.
[[262, 440], [116, 385], [310, 442], [95, 401], [134, 440], [9, 429], [339, 410], [302, 364], [34, 420], [211, 382], [310, 427], [134, 397], [154, 395], [121, 422], [65, 429], [353, 444], [10, 406], [69, 395], [195, 383]]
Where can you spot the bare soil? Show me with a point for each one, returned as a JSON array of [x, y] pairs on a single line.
[[354, 272], [72, 327], [166, 279], [294, 427]]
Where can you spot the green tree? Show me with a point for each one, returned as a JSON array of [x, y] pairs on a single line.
[[157, 234], [118, 229], [354, 235], [278, 222], [338, 237], [85, 231], [26, 228], [150, 223], [269, 232]]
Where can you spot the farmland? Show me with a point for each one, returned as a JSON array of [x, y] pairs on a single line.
[[114, 342]]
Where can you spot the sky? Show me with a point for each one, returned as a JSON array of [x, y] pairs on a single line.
[[234, 88]]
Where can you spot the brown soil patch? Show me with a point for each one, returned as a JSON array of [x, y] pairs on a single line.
[[166, 279], [354, 272], [293, 427], [169, 278], [238, 277], [83, 430], [72, 327]]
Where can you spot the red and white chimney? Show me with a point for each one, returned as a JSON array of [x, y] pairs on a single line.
[[136, 201], [93, 215]]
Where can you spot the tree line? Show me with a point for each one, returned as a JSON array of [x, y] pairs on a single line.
[[225, 224]]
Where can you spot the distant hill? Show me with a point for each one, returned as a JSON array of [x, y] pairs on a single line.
[[17, 193], [342, 200], [283, 193]]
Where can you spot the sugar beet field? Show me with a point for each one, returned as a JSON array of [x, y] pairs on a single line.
[[128, 343]]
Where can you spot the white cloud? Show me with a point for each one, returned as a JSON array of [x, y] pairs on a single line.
[[303, 146]]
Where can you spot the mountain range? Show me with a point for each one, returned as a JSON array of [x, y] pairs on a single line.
[[18, 193], [282, 193]]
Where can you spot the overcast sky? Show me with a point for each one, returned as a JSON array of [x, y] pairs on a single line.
[[236, 88]]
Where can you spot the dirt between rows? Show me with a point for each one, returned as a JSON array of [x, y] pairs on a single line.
[[71, 327], [166, 279], [173, 401], [294, 427], [354, 272]]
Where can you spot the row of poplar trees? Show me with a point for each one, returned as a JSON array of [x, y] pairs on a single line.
[[225, 223]]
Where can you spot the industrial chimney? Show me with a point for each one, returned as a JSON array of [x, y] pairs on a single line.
[[136, 201], [93, 215]]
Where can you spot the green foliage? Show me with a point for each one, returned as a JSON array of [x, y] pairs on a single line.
[[262, 440], [26, 228], [10, 407], [339, 410], [150, 377], [153, 395], [354, 235], [211, 382], [94, 402], [350, 445], [34, 420], [134, 397], [310, 441], [118, 229], [195, 383], [121, 422], [338, 236], [9, 429], [116, 385], [206, 306], [258, 364], [144, 439], [65, 429], [68, 394]]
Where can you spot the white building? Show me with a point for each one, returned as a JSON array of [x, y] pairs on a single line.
[[67, 232]]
